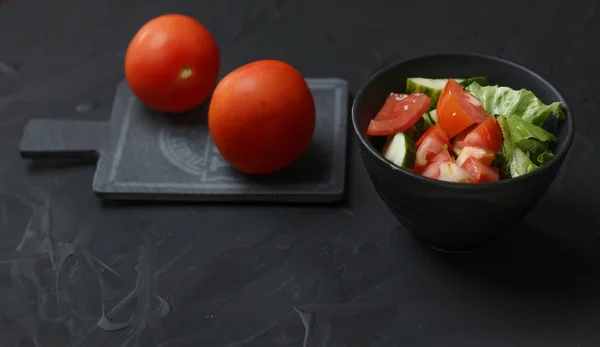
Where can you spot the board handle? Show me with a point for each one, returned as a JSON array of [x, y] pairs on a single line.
[[63, 139]]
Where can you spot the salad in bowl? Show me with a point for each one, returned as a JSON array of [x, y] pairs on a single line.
[[466, 130]]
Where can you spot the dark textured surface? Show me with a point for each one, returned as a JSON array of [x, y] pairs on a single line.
[[75, 272], [448, 216], [146, 155]]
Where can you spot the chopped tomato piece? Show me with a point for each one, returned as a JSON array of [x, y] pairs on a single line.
[[459, 140], [458, 109], [449, 172], [436, 131], [480, 172], [432, 171], [442, 157], [399, 113], [486, 135], [430, 144], [483, 155]]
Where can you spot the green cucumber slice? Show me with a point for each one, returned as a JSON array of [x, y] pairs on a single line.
[[427, 123], [431, 87], [400, 149], [433, 117]]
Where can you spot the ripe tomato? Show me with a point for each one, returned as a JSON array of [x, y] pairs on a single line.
[[442, 157], [172, 63], [458, 143], [458, 109], [262, 117], [399, 113], [435, 131], [486, 135], [479, 171], [449, 172], [432, 142], [483, 155]]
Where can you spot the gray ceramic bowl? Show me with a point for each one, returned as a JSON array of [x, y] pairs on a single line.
[[453, 216]]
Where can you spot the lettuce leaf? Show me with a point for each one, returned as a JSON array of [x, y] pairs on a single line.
[[525, 146], [520, 164], [508, 102], [544, 157], [525, 134], [532, 139], [507, 145]]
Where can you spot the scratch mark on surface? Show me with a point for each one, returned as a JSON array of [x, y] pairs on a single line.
[[253, 337], [308, 322], [348, 211], [150, 307], [174, 260], [146, 292], [105, 266], [37, 241]]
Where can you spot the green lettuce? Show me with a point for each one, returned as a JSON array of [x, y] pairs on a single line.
[[508, 102], [530, 138], [507, 147], [520, 164], [525, 146], [544, 157], [523, 133]]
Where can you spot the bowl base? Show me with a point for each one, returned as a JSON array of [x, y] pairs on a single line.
[[460, 251], [454, 247]]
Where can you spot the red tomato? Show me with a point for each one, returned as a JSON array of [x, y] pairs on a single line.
[[442, 157], [480, 172], [483, 155], [486, 135], [172, 63], [262, 117], [399, 113], [458, 143], [432, 171], [435, 131], [432, 142], [449, 172], [458, 109]]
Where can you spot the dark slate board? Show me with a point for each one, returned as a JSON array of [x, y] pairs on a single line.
[[146, 155]]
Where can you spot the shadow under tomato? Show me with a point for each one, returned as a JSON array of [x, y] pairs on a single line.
[[309, 167], [194, 117]]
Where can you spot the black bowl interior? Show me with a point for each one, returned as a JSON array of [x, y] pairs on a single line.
[[372, 95]]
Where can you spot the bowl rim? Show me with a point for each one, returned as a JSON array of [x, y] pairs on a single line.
[[562, 152]]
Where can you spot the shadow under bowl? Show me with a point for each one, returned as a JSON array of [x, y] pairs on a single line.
[[444, 215]]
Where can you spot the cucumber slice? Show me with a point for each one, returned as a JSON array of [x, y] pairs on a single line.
[[431, 87], [415, 131], [427, 121], [433, 117], [400, 149]]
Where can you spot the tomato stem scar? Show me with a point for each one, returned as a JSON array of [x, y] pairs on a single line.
[[185, 72]]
